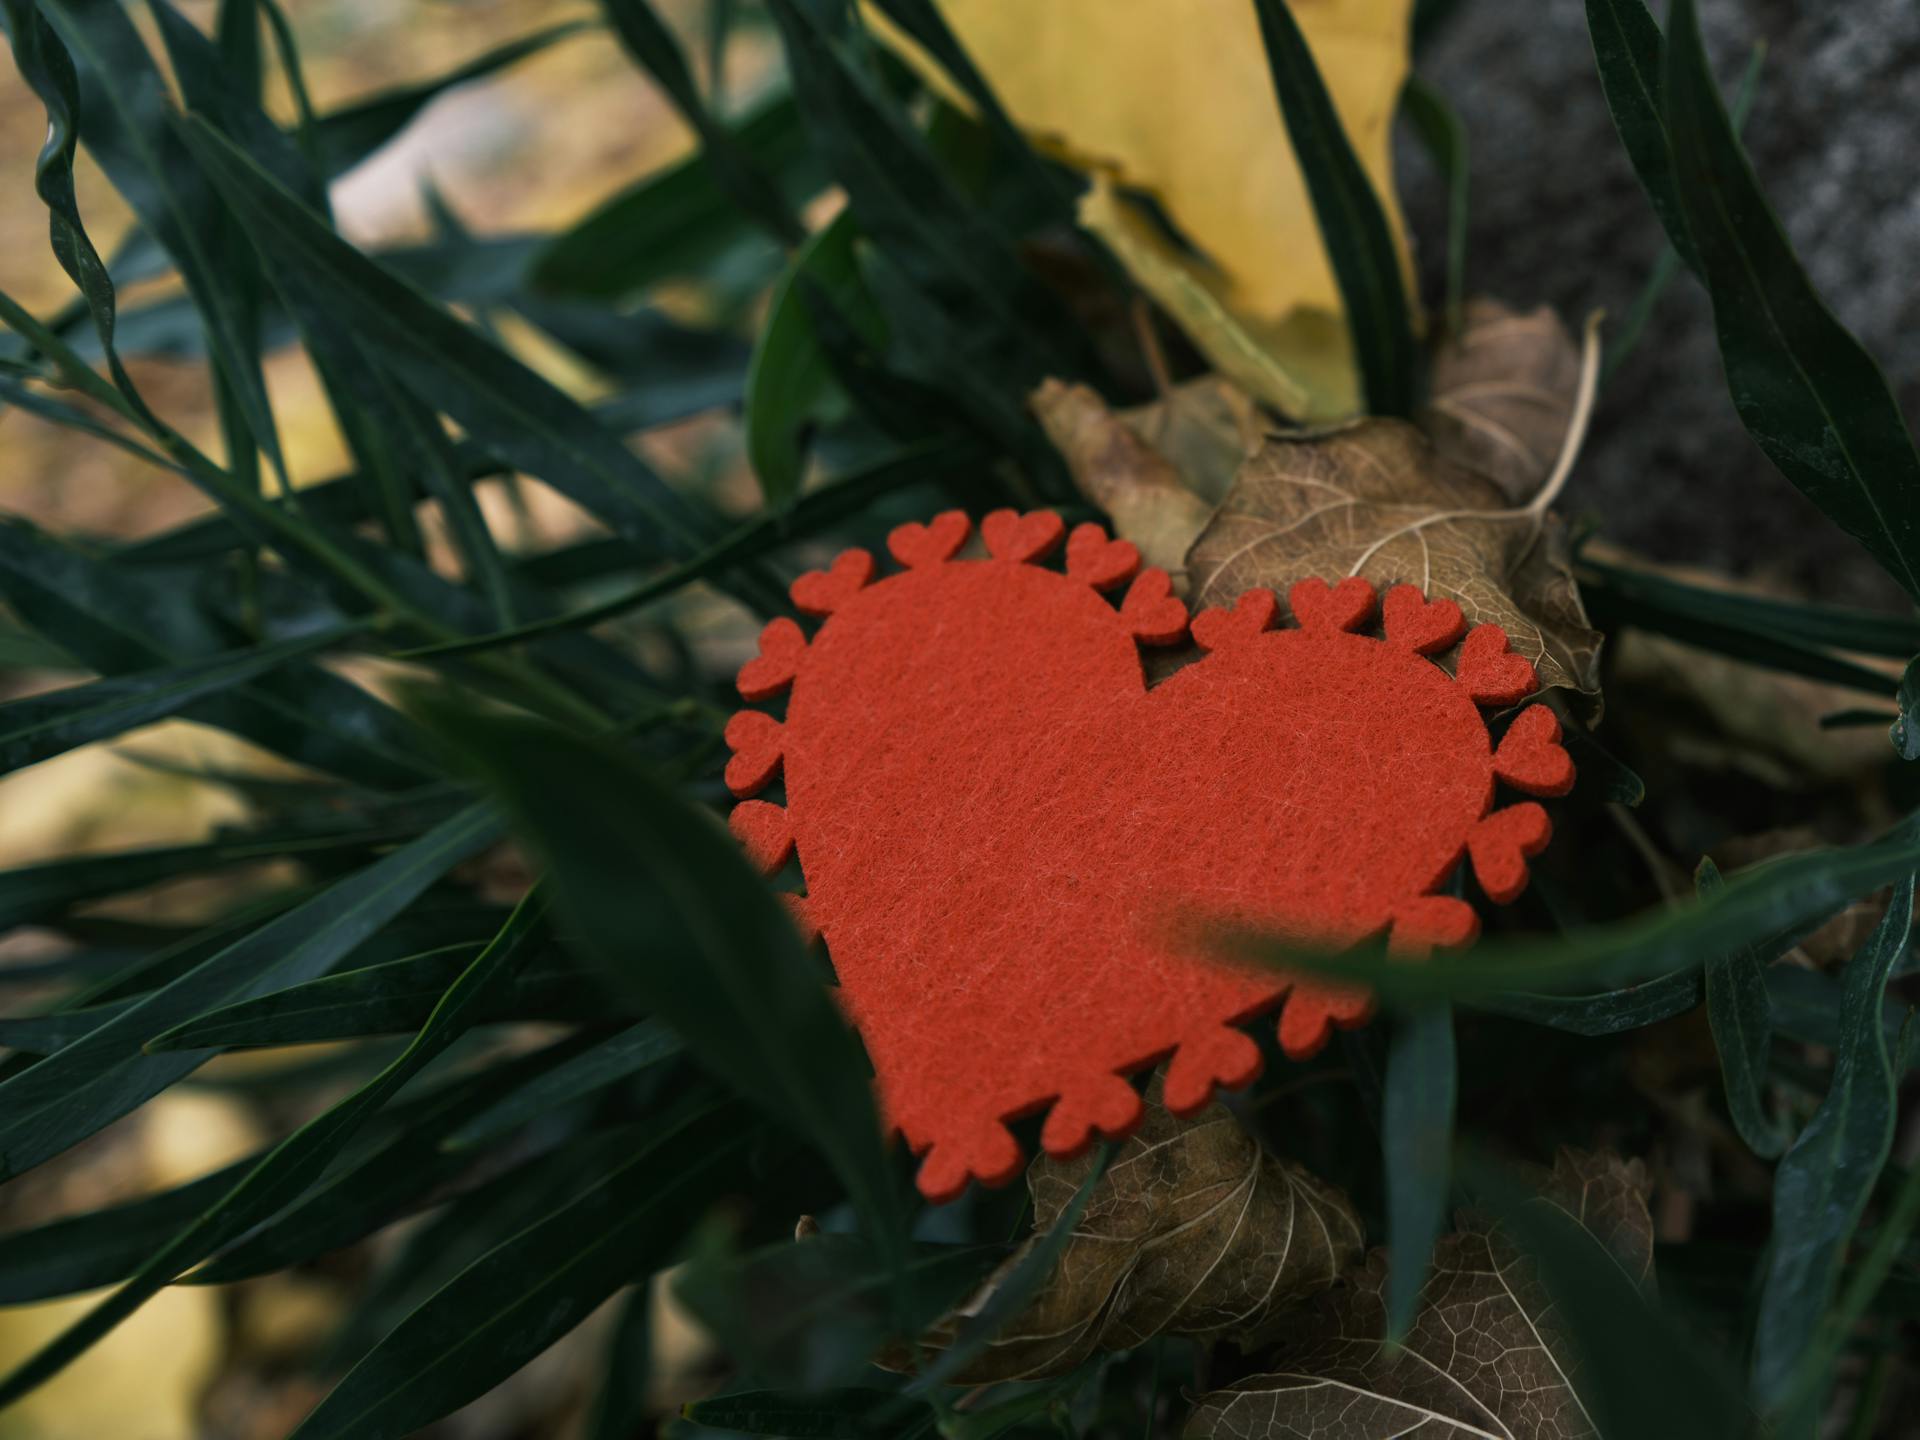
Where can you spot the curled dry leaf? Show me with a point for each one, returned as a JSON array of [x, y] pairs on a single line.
[[1377, 498], [1194, 1230], [1502, 395], [1486, 1356], [1143, 492]]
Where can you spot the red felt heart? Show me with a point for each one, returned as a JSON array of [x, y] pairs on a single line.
[[929, 544], [1492, 673], [1530, 756], [1020, 856], [821, 592], [1346, 606], [1423, 626], [1013, 536], [1098, 561]]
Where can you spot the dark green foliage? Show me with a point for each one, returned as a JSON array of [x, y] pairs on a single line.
[[698, 1090]]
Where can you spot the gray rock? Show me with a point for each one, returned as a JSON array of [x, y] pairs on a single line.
[[1557, 216]]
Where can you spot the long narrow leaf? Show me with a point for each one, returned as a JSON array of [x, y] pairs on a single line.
[[73, 1093], [288, 1169], [43, 726], [1807, 391], [1822, 1184], [1353, 223], [669, 904]]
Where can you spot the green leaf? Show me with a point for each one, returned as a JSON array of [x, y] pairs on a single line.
[[1444, 135], [118, 623], [102, 1247], [1787, 893], [677, 222], [525, 420], [606, 1062], [1823, 1182], [38, 892], [123, 122], [1627, 48], [73, 1093], [516, 1300], [788, 376], [1634, 324], [1699, 613], [668, 903], [1741, 1017], [50, 724], [1416, 1140], [1358, 237], [393, 1167], [734, 169], [382, 999], [288, 1169], [1905, 730], [941, 244], [1807, 391]]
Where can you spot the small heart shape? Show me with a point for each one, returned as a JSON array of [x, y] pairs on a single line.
[[1015, 537], [756, 739], [821, 592], [1416, 623], [1152, 612], [1531, 757], [1095, 560], [1252, 613], [1500, 845], [1492, 673], [782, 643], [915, 545], [1319, 606]]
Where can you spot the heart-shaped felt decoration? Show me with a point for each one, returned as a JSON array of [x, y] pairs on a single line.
[[1015, 850]]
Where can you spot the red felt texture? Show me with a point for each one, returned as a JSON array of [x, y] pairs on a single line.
[[1016, 852]]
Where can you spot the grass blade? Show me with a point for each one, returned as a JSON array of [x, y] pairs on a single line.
[[1822, 1184], [708, 950], [652, 45], [289, 1168], [524, 419], [1353, 224], [516, 1300], [1416, 1138], [74, 1092], [1628, 51], [1741, 1016], [43, 726], [1444, 135]]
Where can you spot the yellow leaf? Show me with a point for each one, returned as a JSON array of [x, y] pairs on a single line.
[[1177, 101]]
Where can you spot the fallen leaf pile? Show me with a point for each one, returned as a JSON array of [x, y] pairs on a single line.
[[1487, 1354], [1443, 505], [1193, 1230]]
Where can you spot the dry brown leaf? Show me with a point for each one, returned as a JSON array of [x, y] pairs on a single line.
[[1486, 1355], [1194, 1230], [1502, 395], [1139, 488], [1375, 498], [1206, 427]]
